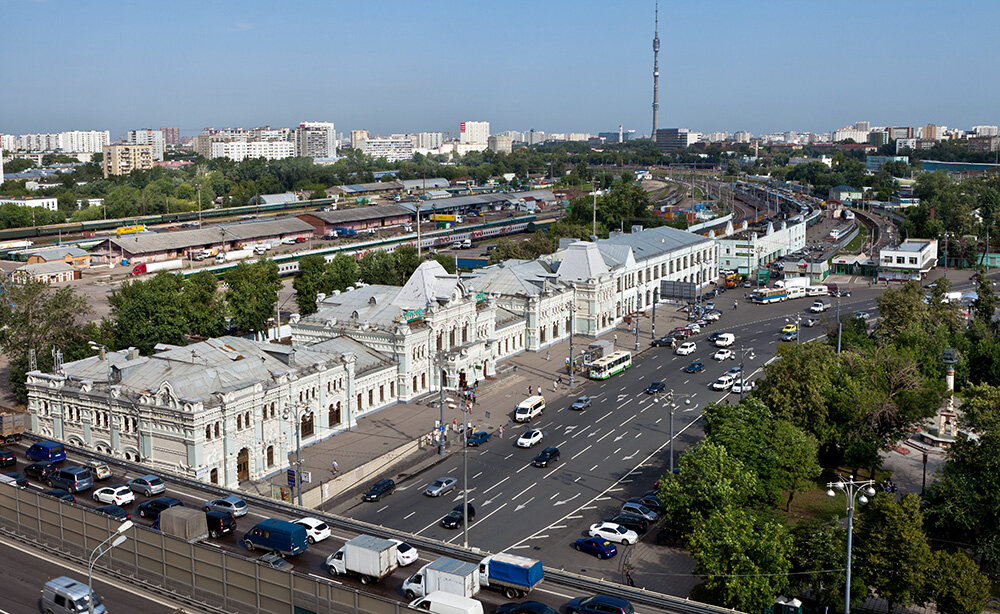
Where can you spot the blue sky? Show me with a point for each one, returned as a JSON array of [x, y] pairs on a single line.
[[553, 65]]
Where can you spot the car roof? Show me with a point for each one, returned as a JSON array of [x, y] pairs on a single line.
[[230, 499]]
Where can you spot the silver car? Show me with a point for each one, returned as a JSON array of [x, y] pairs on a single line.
[[231, 505], [440, 487]]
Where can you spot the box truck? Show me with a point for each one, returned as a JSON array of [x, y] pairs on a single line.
[[233, 256], [444, 574], [184, 523], [514, 576], [155, 267], [369, 558]]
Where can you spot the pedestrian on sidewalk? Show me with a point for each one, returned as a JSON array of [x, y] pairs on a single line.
[[616, 338], [547, 355], [334, 467], [500, 430], [529, 390], [473, 397], [555, 386]]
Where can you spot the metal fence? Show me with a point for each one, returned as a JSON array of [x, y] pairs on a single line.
[[190, 573]]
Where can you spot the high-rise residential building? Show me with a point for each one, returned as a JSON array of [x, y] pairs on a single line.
[[742, 136], [474, 132], [171, 135], [123, 158], [863, 126], [427, 140], [242, 150], [985, 130], [148, 136], [1, 167], [534, 137], [500, 144], [675, 138], [8, 142], [73, 141], [878, 138], [316, 140], [901, 132], [517, 136], [932, 132], [851, 133], [358, 137], [393, 148]]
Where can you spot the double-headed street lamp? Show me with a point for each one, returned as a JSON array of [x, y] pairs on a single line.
[[743, 375], [117, 539], [671, 406], [297, 412], [798, 324], [854, 489]]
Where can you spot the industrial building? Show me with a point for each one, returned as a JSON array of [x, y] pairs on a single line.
[[360, 218]]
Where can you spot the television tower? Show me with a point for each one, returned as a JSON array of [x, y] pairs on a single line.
[[656, 71]]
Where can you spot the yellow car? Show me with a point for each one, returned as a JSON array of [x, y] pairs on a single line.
[[789, 328]]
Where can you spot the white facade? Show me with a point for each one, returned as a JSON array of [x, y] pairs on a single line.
[[500, 144], [241, 150], [44, 202], [316, 140], [474, 132], [73, 141], [748, 252], [985, 130], [858, 136], [392, 148], [146, 136], [427, 140], [909, 260]]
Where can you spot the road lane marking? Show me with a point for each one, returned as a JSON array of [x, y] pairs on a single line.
[[594, 467], [630, 418], [477, 475], [579, 453], [602, 438], [508, 456], [523, 491], [382, 509], [408, 515], [495, 485], [603, 417]]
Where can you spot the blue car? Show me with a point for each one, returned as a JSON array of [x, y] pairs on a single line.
[[599, 547], [479, 437], [695, 367], [656, 387]]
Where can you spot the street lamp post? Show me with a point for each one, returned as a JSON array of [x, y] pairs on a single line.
[[465, 477], [572, 359], [117, 538], [652, 330], [743, 374], [637, 330], [671, 406], [861, 490], [297, 412]]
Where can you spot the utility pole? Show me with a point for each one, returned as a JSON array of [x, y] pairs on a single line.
[[572, 357], [652, 332]]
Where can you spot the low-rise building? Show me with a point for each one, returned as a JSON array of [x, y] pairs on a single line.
[[43, 202], [73, 256], [909, 260], [359, 218], [846, 194], [45, 272], [749, 251]]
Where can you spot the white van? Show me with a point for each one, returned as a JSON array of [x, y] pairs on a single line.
[[529, 408], [440, 602]]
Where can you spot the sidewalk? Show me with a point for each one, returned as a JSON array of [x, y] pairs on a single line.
[[385, 431]]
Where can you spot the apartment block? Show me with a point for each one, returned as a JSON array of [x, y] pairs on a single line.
[[316, 140], [147, 136], [123, 158], [474, 132]]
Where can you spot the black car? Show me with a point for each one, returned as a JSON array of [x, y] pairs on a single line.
[[7, 458], [545, 457], [19, 480], [59, 493], [599, 604], [379, 489], [528, 607], [115, 511], [220, 523], [454, 518], [40, 471], [681, 333], [631, 521], [715, 335], [153, 507], [651, 501], [664, 341]]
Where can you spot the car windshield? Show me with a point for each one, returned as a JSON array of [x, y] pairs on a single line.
[[438, 482], [455, 514], [404, 547]]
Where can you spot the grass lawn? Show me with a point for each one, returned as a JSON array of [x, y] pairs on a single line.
[[854, 247], [815, 504]]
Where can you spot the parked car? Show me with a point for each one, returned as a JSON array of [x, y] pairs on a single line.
[[440, 486], [656, 387], [233, 505], [695, 327], [664, 341], [686, 348], [639, 510], [529, 438], [379, 489], [695, 367], [599, 547], [651, 501], [148, 485], [546, 457], [478, 438], [723, 383], [40, 471], [405, 553], [742, 386], [614, 532], [59, 493], [631, 522], [454, 518], [599, 604], [581, 403], [151, 508], [115, 495]]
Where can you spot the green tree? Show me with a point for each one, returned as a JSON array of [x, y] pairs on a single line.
[[204, 306], [507, 249], [797, 386], [892, 552], [959, 588], [343, 272], [149, 311], [447, 262], [797, 454], [378, 267], [986, 301], [709, 478], [745, 558], [820, 547], [252, 294], [35, 316], [406, 263], [308, 281]]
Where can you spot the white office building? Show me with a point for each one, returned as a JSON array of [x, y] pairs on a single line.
[[146, 136], [474, 132], [393, 148], [909, 260], [241, 150], [427, 140], [316, 140], [747, 252]]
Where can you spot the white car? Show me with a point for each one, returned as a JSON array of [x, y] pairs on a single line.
[[722, 355], [114, 495], [723, 383], [613, 532], [734, 372], [725, 340], [686, 348], [742, 386], [316, 529], [712, 316], [529, 438], [405, 553], [694, 326]]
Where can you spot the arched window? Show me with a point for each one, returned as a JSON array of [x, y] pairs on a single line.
[[307, 426], [214, 476], [239, 422], [216, 429], [270, 456], [208, 431]]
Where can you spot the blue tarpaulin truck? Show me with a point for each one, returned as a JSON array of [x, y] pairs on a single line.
[[514, 576]]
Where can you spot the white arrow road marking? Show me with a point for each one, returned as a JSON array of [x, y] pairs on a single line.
[[564, 502], [523, 505], [631, 456], [619, 437]]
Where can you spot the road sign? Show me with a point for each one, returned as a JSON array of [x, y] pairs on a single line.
[[306, 477], [291, 478]]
